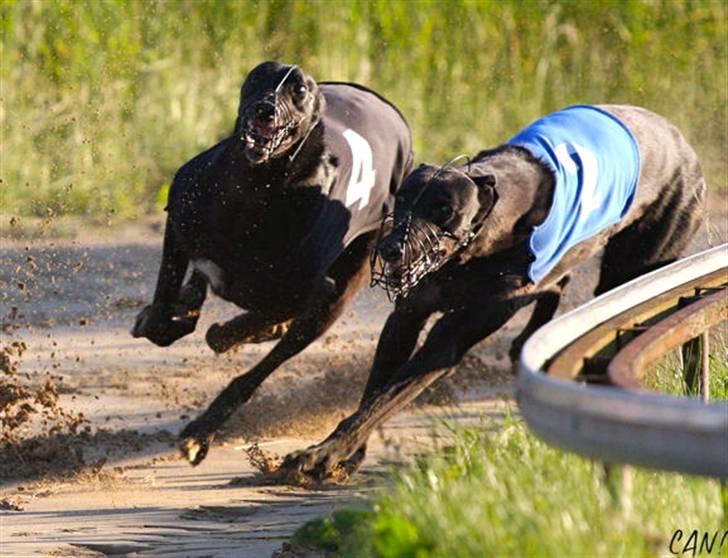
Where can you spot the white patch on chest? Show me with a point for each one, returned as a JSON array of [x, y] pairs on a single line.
[[213, 272]]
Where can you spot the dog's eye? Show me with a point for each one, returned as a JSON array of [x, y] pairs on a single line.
[[301, 90], [445, 212]]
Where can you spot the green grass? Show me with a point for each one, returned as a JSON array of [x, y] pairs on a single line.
[[101, 100], [668, 376], [509, 494]]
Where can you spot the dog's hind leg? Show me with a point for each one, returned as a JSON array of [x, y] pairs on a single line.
[[544, 309], [659, 237], [250, 327], [350, 272]]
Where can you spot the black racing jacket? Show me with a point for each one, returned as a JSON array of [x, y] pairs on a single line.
[[372, 144]]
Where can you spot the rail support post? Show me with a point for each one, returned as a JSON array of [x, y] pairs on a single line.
[[618, 480], [695, 362], [705, 369]]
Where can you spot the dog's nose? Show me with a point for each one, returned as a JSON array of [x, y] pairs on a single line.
[[265, 111], [391, 250]]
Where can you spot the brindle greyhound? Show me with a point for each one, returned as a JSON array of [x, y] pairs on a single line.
[[280, 218], [461, 244]]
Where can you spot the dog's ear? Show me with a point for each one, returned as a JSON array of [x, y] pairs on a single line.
[[486, 191], [484, 180], [319, 106]]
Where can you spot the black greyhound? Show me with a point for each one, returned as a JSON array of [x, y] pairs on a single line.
[[464, 242], [280, 218]]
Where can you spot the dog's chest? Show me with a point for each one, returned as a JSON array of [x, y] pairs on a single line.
[[248, 257]]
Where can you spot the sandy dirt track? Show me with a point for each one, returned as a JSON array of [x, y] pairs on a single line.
[[72, 303], [128, 494]]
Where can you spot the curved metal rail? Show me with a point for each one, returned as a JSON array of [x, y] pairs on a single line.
[[616, 425], [627, 368]]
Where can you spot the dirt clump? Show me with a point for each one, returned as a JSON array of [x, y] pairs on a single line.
[[10, 357], [266, 463], [32, 422], [27, 408]]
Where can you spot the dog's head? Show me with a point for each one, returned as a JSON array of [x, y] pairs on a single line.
[[279, 105], [437, 212]]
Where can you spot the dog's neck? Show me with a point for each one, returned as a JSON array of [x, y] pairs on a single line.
[[525, 190]]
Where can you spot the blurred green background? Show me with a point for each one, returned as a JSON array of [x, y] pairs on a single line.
[[101, 100]]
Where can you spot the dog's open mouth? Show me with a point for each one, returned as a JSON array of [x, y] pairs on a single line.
[[424, 253], [404, 277], [263, 131], [263, 139], [394, 271]]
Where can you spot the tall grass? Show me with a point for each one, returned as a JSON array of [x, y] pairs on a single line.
[[101, 100], [668, 375]]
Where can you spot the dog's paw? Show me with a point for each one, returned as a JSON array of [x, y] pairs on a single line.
[[276, 331], [144, 320], [305, 466], [161, 327], [219, 339], [195, 443], [328, 460], [353, 463]]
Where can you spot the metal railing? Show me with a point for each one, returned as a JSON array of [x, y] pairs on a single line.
[[624, 426]]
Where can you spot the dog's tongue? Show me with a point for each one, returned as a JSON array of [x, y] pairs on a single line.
[[265, 129]]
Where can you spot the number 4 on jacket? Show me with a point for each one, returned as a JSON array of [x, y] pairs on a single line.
[[362, 170]]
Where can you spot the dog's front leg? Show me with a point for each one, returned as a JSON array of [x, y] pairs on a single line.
[[396, 343], [325, 309], [175, 309], [395, 346], [445, 346]]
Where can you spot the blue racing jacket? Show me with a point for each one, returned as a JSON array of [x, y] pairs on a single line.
[[596, 164]]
